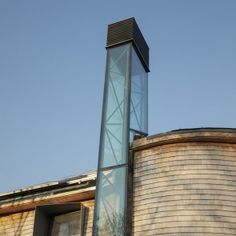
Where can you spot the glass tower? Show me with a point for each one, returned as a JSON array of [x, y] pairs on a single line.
[[124, 115]]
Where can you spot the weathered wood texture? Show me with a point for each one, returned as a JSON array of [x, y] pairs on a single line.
[[21, 224], [19, 204], [185, 189], [89, 217], [17, 224]]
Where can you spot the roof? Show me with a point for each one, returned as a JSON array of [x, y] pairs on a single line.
[[208, 134], [81, 187]]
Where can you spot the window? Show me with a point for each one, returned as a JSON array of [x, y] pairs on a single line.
[[66, 224], [59, 220]]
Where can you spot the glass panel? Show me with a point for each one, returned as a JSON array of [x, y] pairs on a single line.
[[138, 106], [113, 150], [111, 202], [66, 224]]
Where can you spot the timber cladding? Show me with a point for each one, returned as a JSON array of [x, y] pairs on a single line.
[[31, 211], [17, 224], [185, 188], [89, 217], [22, 224]]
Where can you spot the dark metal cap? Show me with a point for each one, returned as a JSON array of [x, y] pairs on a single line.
[[128, 31]]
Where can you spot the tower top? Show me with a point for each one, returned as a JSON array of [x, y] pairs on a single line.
[[128, 31]]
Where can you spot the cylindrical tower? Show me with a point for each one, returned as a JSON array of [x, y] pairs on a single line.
[[185, 183]]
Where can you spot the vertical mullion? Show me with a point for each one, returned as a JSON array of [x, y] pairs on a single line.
[[104, 105], [83, 212]]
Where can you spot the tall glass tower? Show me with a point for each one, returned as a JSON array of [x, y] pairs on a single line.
[[124, 115]]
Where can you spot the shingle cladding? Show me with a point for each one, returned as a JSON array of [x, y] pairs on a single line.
[[185, 183]]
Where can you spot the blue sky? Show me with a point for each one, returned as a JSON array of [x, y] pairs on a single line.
[[52, 62]]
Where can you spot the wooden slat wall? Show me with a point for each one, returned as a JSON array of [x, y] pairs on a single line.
[[17, 224], [89, 217], [185, 189], [21, 224]]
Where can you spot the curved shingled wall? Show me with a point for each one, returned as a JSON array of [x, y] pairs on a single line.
[[185, 183]]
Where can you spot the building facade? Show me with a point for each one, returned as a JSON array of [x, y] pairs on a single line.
[[178, 183], [56, 208], [184, 183]]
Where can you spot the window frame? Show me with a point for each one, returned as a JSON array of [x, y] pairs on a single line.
[[44, 216]]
